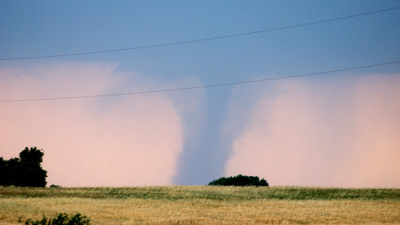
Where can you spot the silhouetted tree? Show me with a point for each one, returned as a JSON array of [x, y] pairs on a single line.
[[24, 171], [3, 172], [9, 171], [239, 180]]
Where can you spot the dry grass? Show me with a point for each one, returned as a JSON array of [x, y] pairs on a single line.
[[204, 205]]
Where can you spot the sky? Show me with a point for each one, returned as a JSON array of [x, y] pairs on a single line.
[[174, 127]]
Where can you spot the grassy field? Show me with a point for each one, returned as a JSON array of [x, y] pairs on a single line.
[[204, 205]]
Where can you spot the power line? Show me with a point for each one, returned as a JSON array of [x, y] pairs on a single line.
[[202, 40], [201, 86]]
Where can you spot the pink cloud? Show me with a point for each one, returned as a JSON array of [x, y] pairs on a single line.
[[323, 132], [122, 141]]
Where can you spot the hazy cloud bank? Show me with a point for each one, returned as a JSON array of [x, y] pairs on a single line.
[[112, 141], [337, 131], [341, 131]]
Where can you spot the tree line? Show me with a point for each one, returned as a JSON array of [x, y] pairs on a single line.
[[239, 180], [25, 171]]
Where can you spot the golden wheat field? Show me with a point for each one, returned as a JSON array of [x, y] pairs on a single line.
[[204, 205]]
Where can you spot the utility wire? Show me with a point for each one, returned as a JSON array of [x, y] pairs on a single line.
[[202, 40], [201, 86]]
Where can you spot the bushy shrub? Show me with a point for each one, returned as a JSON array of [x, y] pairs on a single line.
[[61, 219], [239, 180]]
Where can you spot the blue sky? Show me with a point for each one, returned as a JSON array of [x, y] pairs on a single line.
[[212, 127]]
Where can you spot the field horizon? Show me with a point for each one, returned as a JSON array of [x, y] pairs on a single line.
[[204, 204]]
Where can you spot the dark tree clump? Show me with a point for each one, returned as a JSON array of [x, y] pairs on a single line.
[[25, 171], [61, 219], [239, 180]]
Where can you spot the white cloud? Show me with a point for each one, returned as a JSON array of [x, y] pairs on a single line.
[[120, 141], [323, 132]]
